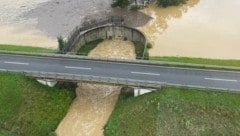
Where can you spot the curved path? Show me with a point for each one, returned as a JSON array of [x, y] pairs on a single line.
[[126, 71]]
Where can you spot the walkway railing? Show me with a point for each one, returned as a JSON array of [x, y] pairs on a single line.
[[111, 20]]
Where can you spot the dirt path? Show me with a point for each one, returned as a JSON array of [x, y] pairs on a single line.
[[94, 103]]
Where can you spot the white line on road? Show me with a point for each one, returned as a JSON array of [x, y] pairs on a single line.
[[17, 63], [218, 79], [132, 64], [83, 68], [142, 73]]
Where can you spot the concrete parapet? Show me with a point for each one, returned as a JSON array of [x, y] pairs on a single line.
[[108, 32]]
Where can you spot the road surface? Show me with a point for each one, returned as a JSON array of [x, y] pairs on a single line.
[[169, 75]]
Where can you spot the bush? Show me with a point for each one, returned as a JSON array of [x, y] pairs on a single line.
[[135, 7], [61, 44], [166, 3], [120, 3], [149, 45]]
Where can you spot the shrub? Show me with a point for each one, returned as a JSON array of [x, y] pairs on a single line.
[[135, 7], [166, 3], [120, 3], [149, 45], [61, 44]]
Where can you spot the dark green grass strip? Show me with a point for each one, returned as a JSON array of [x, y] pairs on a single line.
[[85, 49], [203, 61], [25, 48]]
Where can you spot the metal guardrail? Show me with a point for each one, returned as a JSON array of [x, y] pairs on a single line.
[[133, 61]]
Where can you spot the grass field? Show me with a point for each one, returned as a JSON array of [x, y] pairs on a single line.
[[219, 62], [139, 49], [29, 108], [26, 49], [85, 49], [6, 133], [176, 111]]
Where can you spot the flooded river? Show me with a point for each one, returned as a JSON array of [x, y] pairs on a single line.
[[200, 28]]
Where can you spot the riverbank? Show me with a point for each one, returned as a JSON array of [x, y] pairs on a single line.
[[29, 108], [176, 111]]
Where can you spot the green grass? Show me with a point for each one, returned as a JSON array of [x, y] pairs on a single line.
[[139, 49], [29, 108], [6, 133], [85, 49], [219, 62], [176, 111], [25, 48]]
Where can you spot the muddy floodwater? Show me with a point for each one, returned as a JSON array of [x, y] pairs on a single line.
[[200, 28]]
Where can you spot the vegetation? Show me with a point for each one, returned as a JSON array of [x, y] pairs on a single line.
[[29, 108], [61, 44], [139, 50], [6, 133], [176, 111], [120, 3], [85, 49], [135, 7], [25, 48], [166, 3], [149, 45], [219, 62]]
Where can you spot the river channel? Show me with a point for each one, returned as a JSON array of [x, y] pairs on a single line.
[[200, 28]]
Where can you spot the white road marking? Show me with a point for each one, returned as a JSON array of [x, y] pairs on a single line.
[[130, 64], [143, 73], [218, 79], [17, 63], [83, 68]]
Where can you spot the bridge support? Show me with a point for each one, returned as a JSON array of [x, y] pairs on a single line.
[[47, 82], [140, 91]]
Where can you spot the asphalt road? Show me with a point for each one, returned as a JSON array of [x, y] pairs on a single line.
[[171, 75]]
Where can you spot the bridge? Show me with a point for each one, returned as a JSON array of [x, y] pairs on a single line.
[[132, 73]]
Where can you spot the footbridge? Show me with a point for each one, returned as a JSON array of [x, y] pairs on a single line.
[[122, 72]]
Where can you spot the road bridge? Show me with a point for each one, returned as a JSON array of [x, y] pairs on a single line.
[[122, 73]]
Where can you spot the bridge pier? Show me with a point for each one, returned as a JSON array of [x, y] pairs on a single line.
[[48, 82]]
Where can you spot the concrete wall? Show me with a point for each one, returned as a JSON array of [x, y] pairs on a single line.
[[105, 32]]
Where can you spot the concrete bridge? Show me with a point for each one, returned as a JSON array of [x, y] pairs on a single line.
[[121, 72]]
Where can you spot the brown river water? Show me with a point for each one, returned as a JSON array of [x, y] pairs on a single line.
[[200, 28]]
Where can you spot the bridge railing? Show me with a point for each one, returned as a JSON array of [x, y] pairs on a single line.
[[88, 78], [111, 20], [109, 80]]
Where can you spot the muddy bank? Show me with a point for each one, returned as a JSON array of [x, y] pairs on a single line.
[[18, 30], [94, 103], [39, 22], [22, 35]]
